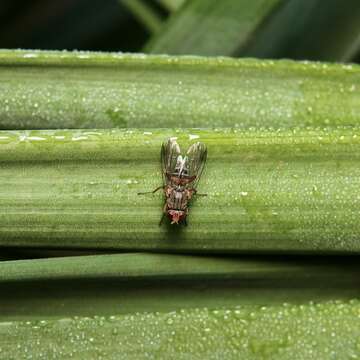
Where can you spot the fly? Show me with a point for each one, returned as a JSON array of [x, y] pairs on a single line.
[[181, 175]]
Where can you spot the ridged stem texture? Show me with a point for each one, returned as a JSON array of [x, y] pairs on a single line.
[[290, 190]]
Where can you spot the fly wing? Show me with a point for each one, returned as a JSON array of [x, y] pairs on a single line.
[[170, 151], [196, 154]]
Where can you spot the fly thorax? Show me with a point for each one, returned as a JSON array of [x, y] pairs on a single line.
[[178, 194]]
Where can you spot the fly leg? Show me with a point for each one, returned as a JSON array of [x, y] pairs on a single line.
[[163, 215], [151, 192], [162, 218], [194, 191]]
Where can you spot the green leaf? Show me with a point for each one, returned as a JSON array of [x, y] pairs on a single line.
[[262, 29], [334, 32], [96, 90], [290, 190], [203, 27], [190, 306]]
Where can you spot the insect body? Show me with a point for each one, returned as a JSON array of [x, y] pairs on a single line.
[[181, 175]]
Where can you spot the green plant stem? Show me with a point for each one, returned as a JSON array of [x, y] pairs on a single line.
[[129, 283], [95, 90], [171, 5], [145, 14], [268, 191], [318, 331]]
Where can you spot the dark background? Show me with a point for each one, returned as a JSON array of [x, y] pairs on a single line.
[[105, 25], [109, 25]]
